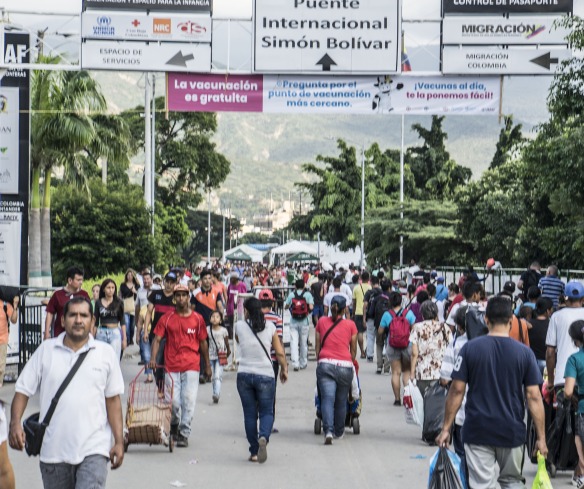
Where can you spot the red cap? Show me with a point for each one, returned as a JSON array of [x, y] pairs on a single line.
[[266, 295]]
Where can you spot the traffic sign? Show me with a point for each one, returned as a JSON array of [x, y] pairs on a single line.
[[500, 30], [141, 56], [493, 61], [139, 26], [331, 36]]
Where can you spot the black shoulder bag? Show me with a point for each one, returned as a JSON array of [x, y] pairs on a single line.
[[33, 429], [327, 333], [260, 342]]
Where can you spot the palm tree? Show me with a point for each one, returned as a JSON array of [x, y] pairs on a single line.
[[62, 126]]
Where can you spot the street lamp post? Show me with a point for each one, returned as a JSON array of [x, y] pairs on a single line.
[[209, 227], [362, 205]]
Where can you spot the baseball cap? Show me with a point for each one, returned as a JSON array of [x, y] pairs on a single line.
[[180, 288], [440, 279], [509, 286], [170, 276], [266, 295], [574, 290], [157, 277], [340, 301]]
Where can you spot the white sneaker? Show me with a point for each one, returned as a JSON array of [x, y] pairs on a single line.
[[580, 482], [574, 480], [328, 439]]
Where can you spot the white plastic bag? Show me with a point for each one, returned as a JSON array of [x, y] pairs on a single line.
[[414, 404]]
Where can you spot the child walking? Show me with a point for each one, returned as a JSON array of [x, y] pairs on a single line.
[[219, 351]]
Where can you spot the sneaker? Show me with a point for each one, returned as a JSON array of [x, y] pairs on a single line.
[[263, 450], [296, 369], [215, 399], [339, 437], [378, 371], [575, 479], [328, 439], [580, 482], [182, 441]]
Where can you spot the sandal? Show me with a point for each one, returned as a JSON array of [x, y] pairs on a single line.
[[253, 458]]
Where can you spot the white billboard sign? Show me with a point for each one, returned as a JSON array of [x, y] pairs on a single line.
[[141, 56], [336, 36], [500, 30], [493, 61], [142, 27]]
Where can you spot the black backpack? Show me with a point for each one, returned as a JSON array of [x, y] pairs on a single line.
[[373, 295], [531, 279], [381, 307], [475, 322]]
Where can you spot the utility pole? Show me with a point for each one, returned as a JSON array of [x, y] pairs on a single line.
[[362, 206], [147, 143], [401, 190], [153, 151]]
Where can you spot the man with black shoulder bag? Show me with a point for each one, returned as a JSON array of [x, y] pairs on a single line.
[[80, 384]]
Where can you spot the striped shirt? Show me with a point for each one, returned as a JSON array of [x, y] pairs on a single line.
[[552, 288], [448, 362], [277, 320]]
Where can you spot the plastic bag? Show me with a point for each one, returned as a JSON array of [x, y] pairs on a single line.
[[445, 471], [542, 479], [561, 436], [414, 404], [434, 407]]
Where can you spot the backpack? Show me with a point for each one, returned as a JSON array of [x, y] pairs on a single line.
[[381, 304], [531, 279], [299, 307], [399, 330], [475, 322], [370, 313]]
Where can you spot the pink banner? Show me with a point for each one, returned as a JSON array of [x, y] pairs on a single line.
[[189, 92]]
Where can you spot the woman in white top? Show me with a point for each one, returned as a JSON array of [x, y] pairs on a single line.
[[255, 378]]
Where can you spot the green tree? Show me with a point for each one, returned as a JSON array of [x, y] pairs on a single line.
[[187, 161], [436, 175], [510, 139], [104, 234], [61, 126], [196, 246], [428, 228]]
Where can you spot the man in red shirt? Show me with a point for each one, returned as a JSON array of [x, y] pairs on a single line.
[[186, 334], [60, 298]]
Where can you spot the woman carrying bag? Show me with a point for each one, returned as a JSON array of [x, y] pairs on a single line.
[[128, 291], [336, 348], [256, 383]]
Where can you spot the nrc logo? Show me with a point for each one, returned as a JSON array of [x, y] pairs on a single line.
[[162, 26]]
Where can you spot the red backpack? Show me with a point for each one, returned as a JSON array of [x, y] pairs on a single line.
[[299, 306], [399, 330]]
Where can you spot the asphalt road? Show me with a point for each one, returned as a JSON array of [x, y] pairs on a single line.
[[387, 453]]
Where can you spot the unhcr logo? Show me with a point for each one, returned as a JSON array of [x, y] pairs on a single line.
[[103, 27]]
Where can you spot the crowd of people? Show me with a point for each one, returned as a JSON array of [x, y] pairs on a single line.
[[492, 353]]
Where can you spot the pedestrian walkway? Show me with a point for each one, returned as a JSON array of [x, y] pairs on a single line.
[[387, 453]]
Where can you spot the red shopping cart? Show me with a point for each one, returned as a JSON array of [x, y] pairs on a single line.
[[149, 411]]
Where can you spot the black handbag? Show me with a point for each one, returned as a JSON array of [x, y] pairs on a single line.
[[34, 430]]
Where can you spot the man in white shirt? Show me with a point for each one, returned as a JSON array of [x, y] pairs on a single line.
[[77, 443], [336, 288], [559, 344]]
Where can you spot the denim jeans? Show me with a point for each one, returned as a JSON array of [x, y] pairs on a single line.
[[112, 336], [130, 323], [299, 340], [257, 399], [89, 474], [371, 337], [184, 399], [334, 384], [217, 376], [145, 353]]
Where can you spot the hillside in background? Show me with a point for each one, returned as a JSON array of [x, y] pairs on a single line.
[[266, 150]]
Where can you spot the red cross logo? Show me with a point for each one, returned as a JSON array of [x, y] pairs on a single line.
[[136, 23]]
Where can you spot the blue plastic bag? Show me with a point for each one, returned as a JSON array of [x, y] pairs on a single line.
[[445, 471]]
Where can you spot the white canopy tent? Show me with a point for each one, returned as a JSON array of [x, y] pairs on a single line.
[[244, 251], [328, 253]]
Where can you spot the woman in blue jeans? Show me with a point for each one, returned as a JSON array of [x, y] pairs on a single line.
[[336, 348], [255, 378]]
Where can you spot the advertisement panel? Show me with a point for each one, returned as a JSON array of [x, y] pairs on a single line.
[[9, 140], [506, 6], [522, 30], [144, 27], [168, 5], [333, 95], [303, 36]]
